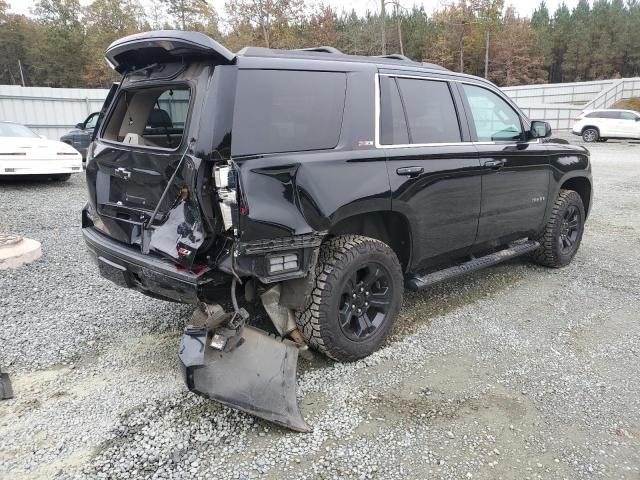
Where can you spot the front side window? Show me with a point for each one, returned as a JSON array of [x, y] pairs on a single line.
[[90, 123], [280, 111], [430, 111], [152, 117], [493, 117]]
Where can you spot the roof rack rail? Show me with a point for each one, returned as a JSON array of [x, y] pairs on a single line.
[[323, 49], [395, 56]]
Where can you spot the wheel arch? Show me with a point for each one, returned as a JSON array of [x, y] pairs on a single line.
[[590, 126], [583, 187], [387, 226]]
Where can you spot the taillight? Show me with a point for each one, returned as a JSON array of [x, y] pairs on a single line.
[[225, 181]]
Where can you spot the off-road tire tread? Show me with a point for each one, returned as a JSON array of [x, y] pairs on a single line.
[[337, 252], [546, 255]]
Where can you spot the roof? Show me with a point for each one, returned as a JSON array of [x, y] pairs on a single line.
[[333, 54]]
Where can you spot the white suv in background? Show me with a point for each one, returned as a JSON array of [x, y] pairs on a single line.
[[600, 125]]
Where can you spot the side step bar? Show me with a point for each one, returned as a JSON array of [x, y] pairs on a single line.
[[420, 282]]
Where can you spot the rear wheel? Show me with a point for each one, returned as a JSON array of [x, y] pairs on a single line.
[[563, 233], [355, 299], [590, 134]]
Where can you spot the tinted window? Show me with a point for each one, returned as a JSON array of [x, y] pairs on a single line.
[[628, 116], [493, 117], [393, 125], [593, 115], [610, 115], [431, 113], [287, 111]]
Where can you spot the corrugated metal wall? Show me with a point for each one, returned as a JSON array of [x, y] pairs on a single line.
[[54, 111], [49, 111]]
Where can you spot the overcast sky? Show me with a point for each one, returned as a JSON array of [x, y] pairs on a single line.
[[523, 7]]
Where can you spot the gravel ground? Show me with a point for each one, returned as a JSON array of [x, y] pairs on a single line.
[[513, 372]]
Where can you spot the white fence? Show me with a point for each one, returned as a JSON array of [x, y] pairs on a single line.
[[560, 103], [54, 111], [49, 111]]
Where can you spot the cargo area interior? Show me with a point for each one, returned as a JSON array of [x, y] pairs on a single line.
[[152, 117]]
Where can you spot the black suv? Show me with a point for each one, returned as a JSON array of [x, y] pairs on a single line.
[[80, 137], [323, 183]]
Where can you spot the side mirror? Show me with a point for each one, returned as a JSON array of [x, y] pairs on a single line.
[[540, 129], [637, 119], [80, 126]]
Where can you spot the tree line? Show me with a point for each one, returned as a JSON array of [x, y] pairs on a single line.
[[62, 43]]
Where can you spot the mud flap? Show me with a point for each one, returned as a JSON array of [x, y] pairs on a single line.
[[258, 376]]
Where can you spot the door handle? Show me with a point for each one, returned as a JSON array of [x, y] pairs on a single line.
[[495, 164], [410, 171]]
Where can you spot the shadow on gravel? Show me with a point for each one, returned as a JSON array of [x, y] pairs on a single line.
[[30, 180], [420, 308]]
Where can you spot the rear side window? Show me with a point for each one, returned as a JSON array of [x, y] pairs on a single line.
[[628, 116], [151, 117], [431, 114], [605, 114], [393, 125], [287, 111]]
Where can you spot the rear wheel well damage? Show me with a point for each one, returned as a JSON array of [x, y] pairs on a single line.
[[582, 186], [389, 227]]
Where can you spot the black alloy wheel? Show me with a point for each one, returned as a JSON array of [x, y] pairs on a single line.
[[365, 301], [569, 230], [355, 299]]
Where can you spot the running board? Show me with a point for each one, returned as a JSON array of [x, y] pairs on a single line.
[[420, 282]]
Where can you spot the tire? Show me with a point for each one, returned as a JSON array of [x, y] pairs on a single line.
[[563, 233], [590, 134], [355, 299], [63, 177]]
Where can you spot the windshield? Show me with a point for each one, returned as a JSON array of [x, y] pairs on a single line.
[[15, 130]]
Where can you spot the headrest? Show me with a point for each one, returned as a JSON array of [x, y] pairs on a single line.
[[159, 118]]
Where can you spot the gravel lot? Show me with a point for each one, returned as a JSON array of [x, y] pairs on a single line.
[[513, 372]]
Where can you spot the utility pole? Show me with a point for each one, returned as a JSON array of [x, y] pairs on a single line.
[[383, 16], [21, 74]]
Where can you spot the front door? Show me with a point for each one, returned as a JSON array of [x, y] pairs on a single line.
[[629, 124], [516, 171], [434, 173]]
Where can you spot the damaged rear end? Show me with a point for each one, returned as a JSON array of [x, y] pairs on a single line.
[[162, 216]]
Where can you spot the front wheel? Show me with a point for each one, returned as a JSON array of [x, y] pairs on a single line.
[[563, 233], [590, 135], [355, 299]]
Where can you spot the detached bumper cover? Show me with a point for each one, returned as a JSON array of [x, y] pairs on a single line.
[[258, 376], [129, 268]]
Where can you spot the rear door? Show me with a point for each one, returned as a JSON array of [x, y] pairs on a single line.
[[516, 171], [143, 177], [630, 124], [433, 167]]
